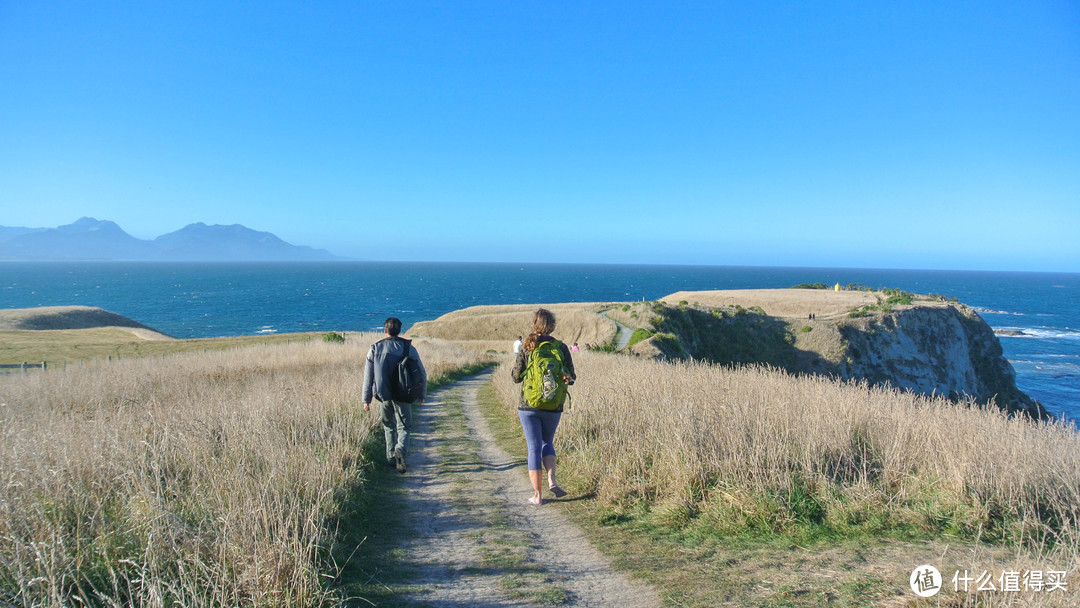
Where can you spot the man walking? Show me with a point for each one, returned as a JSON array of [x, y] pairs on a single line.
[[380, 371]]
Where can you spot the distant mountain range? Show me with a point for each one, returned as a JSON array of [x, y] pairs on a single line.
[[91, 239]]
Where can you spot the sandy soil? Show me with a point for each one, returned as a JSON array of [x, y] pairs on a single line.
[[73, 317], [781, 302], [478, 542]]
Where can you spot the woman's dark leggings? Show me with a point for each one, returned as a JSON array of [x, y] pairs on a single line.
[[539, 427]]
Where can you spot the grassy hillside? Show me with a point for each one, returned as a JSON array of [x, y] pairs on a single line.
[[61, 346], [194, 479], [713, 468], [72, 317], [76, 334], [499, 326], [220, 475]]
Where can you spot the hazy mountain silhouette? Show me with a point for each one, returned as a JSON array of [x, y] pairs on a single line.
[[201, 242], [92, 239]]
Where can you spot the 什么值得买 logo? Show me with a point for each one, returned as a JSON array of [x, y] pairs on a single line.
[[925, 581]]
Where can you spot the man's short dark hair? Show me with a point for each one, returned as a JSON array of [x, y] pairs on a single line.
[[392, 326]]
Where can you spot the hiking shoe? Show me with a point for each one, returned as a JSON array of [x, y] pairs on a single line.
[[399, 457]]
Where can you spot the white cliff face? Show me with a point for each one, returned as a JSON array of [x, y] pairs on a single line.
[[933, 349], [930, 347]]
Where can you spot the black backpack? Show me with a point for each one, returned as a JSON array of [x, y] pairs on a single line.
[[408, 382]]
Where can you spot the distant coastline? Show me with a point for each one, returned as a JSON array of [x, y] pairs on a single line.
[[222, 299], [89, 239]]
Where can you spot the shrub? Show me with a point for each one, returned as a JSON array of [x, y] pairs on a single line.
[[335, 337]]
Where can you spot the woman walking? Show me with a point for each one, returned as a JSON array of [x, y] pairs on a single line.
[[545, 368]]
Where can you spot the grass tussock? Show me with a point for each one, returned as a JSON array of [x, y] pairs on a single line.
[[753, 450], [194, 479]]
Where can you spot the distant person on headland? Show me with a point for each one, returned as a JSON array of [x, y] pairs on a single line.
[[517, 345], [574, 348], [380, 372], [544, 368]]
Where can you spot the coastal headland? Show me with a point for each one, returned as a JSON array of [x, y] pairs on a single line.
[[913, 342], [919, 343], [721, 447], [68, 334]]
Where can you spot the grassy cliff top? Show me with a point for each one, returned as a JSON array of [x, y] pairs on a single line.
[[77, 333], [73, 317], [781, 302]]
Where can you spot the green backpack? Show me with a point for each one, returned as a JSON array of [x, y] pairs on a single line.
[[543, 385]]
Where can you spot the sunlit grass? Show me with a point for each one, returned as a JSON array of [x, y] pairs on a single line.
[[706, 451], [187, 479]]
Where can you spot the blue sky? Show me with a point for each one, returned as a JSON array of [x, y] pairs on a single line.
[[849, 134]]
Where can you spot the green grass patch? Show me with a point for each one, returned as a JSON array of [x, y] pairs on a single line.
[[639, 335]]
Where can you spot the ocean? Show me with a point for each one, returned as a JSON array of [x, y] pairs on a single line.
[[196, 300]]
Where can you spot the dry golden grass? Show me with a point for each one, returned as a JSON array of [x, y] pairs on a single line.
[[751, 449], [73, 317], [194, 479], [796, 303], [578, 322], [62, 346]]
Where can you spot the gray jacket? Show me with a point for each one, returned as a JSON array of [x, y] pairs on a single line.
[[381, 366]]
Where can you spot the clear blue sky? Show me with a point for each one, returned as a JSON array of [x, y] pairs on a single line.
[[892, 134]]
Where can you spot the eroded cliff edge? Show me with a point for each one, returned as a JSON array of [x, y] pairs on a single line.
[[926, 345], [944, 350]]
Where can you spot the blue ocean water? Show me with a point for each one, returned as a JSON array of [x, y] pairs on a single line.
[[194, 300]]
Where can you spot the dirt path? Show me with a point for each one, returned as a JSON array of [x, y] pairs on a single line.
[[478, 542], [624, 333]]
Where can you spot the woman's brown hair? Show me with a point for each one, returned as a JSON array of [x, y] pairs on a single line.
[[543, 323]]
